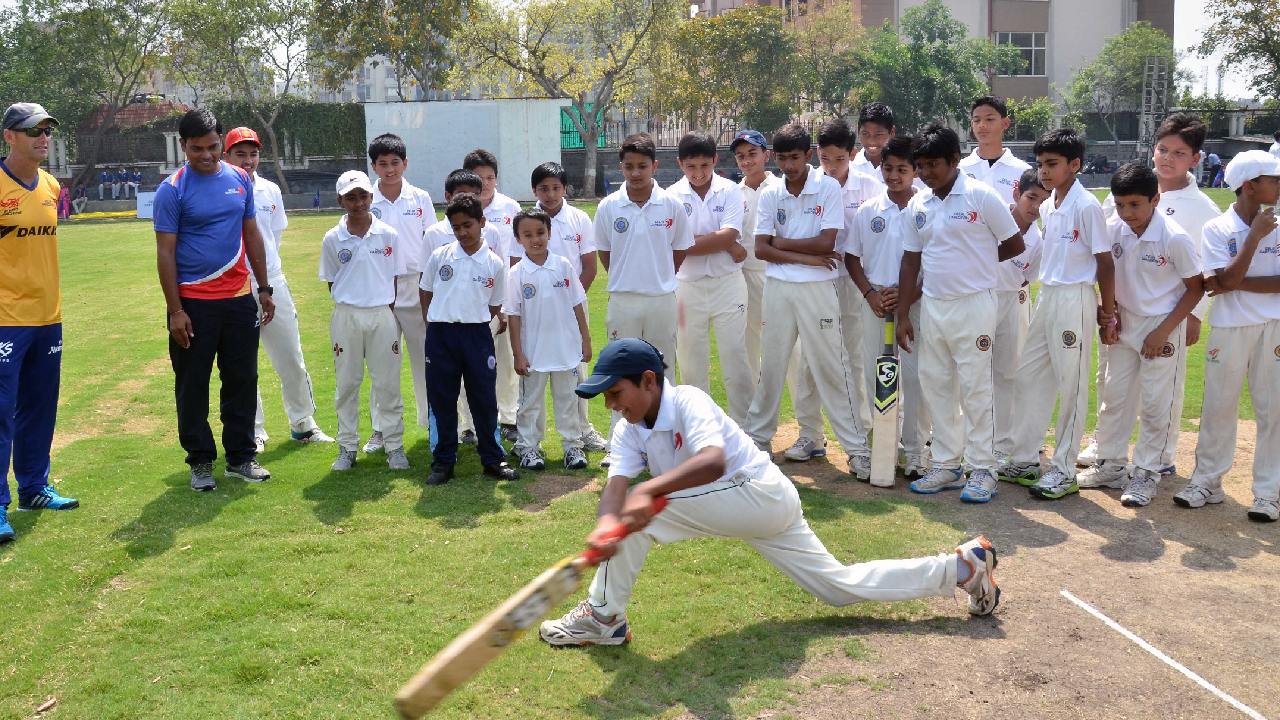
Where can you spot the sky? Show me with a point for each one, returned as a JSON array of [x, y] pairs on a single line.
[[1189, 25]]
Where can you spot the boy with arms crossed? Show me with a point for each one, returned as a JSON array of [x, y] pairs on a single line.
[[545, 306], [1158, 282], [408, 210], [573, 237], [720, 485], [957, 232], [1056, 357], [1242, 249], [710, 289], [796, 226], [874, 258], [362, 260], [751, 151]]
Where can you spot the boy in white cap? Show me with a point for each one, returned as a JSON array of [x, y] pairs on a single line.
[[1158, 283], [719, 484], [360, 260], [1242, 251], [751, 152]]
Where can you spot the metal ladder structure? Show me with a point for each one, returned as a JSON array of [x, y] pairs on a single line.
[[1155, 104]]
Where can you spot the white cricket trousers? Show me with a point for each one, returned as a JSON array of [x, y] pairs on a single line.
[[804, 392], [755, 319], [414, 329], [1233, 354], [914, 417], [954, 343], [1055, 365], [283, 343], [367, 337], [1141, 389], [531, 418], [765, 512], [1013, 316], [584, 405], [720, 303], [648, 317], [808, 312]]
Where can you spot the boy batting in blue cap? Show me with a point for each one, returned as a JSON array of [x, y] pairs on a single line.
[[719, 484]]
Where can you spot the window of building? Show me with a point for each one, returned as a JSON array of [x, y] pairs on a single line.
[[1031, 45]]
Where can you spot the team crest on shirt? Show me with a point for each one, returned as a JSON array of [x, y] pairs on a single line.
[[984, 342], [877, 224], [1277, 352], [446, 272], [1232, 248], [782, 216], [621, 225], [677, 441], [1167, 350], [1117, 250], [376, 212], [1075, 234], [1068, 339], [920, 220], [528, 291], [1022, 296], [493, 362], [826, 323], [344, 256], [688, 209]]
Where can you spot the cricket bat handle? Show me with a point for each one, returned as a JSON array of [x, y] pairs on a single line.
[[619, 531]]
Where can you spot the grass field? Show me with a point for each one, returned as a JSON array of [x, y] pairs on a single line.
[[316, 595]]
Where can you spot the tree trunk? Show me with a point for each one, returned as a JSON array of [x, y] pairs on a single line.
[[589, 169], [277, 156]]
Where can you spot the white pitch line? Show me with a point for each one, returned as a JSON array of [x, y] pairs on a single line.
[[1250, 712]]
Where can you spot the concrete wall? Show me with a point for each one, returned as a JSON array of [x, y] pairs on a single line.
[[521, 133]]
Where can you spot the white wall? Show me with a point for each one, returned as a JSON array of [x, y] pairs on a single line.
[[521, 133], [1077, 31]]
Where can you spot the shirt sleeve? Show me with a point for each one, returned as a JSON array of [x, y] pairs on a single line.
[[429, 272], [1094, 225], [399, 258], [626, 453], [499, 291], [831, 199], [1109, 206], [250, 207], [601, 226], [1214, 252], [701, 420], [766, 212], [912, 241], [853, 242], [682, 230], [733, 209], [1029, 261], [997, 216], [588, 232], [166, 209], [1185, 256], [575, 285], [513, 303], [328, 259], [279, 220]]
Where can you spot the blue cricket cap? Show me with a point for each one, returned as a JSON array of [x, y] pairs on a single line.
[[749, 136], [620, 358]]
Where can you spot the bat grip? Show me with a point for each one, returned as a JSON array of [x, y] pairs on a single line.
[[617, 532]]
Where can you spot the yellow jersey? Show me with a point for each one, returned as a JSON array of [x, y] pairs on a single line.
[[29, 282]]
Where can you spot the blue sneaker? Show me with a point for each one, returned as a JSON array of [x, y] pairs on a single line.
[[6, 530], [937, 480], [980, 488], [47, 499]]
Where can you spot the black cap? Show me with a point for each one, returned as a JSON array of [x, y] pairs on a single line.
[[21, 116], [620, 358]]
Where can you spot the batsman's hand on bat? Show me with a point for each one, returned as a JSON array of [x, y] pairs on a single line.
[[889, 300], [637, 509], [906, 334], [599, 540]]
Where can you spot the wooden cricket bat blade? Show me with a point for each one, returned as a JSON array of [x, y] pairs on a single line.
[[884, 423]]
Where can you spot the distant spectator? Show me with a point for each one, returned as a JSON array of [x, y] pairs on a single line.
[[315, 201], [64, 203], [135, 181], [1214, 165], [1275, 146], [120, 184], [79, 199], [104, 179]]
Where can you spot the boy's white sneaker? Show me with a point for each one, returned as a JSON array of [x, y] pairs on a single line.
[[1264, 510], [860, 467], [1106, 474], [532, 460], [1089, 456], [374, 444], [580, 627], [804, 449], [1197, 496], [1141, 489], [939, 479]]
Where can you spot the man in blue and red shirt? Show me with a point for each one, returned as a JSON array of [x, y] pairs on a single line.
[[207, 242]]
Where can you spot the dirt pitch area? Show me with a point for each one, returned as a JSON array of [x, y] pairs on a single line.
[[1203, 586]]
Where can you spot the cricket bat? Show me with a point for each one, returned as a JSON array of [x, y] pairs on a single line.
[[472, 650], [885, 408]]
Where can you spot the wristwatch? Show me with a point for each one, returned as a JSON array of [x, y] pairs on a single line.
[[266, 289]]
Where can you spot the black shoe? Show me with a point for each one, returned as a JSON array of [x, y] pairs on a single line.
[[500, 471], [440, 474], [510, 434]]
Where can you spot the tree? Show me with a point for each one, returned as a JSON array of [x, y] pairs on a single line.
[[591, 52], [1246, 31], [254, 51], [412, 35], [1031, 118], [1113, 82], [826, 64]]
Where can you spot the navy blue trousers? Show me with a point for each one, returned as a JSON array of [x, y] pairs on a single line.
[[457, 352], [30, 373]]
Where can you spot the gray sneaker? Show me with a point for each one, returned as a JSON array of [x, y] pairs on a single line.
[[1141, 489], [374, 445], [396, 459], [345, 461], [202, 477], [575, 458], [250, 472], [860, 467], [804, 450], [593, 441]]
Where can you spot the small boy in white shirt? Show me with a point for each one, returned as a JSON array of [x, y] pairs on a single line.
[[710, 290], [360, 259], [549, 339], [751, 152], [1158, 282], [1242, 250]]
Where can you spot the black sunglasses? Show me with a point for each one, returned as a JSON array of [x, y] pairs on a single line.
[[36, 132]]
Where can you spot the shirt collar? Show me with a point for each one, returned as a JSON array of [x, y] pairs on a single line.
[[1073, 196], [666, 414], [405, 191], [564, 204], [626, 199], [375, 228], [1156, 229], [459, 253], [1237, 223], [811, 182]]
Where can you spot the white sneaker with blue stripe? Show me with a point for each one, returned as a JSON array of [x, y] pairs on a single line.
[[980, 488], [937, 480]]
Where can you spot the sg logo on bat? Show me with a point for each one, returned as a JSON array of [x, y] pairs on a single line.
[[522, 617]]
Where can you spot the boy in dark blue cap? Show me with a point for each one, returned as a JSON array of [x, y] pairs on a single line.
[[721, 485], [751, 152]]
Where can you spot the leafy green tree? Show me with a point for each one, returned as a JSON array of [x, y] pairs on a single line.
[[826, 63], [1031, 118], [1246, 31], [1113, 82], [594, 53]]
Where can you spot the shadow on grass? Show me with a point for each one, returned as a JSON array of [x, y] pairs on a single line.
[[336, 494], [710, 674], [24, 523], [154, 530]]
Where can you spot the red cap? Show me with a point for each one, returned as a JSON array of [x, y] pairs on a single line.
[[239, 135]]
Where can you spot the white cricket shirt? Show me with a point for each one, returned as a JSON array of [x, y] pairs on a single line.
[[463, 286], [721, 208], [271, 222], [409, 215], [543, 297], [864, 166], [501, 212], [751, 201], [1150, 269], [876, 239], [688, 421], [1073, 234], [640, 240], [1223, 238], [363, 270], [858, 188], [572, 236], [958, 237], [440, 233], [818, 207], [1003, 176], [1027, 264]]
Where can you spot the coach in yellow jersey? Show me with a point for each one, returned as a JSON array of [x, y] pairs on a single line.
[[30, 313]]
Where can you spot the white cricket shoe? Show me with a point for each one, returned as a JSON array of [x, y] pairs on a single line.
[[937, 480], [1106, 474], [1141, 489], [374, 444], [860, 467], [1264, 510], [804, 450], [1089, 456], [580, 627], [1197, 496]]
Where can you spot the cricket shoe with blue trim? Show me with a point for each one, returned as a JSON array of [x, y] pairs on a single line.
[[6, 530], [1106, 474], [980, 488], [47, 499], [804, 450], [580, 627], [1024, 474], [1054, 485], [980, 557], [1141, 489], [937, 480]]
